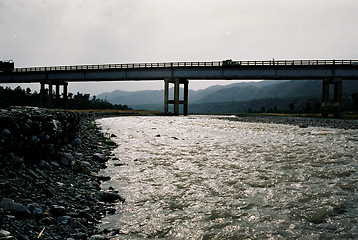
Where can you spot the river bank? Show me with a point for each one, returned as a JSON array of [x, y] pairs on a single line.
[[49, 185], [302, 122]]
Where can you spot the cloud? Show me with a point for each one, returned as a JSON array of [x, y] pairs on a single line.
[[66, 32]]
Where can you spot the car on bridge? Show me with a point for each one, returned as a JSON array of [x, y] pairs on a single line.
[[7, 66]]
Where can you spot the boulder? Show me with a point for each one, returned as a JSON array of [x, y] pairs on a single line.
[[5, 235], [110, 197], [98, 237], [66, 159], [58, 210], [76, 142], [98, 157], [16, 209]]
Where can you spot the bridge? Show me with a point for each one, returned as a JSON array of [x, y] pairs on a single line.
[[331, 72]]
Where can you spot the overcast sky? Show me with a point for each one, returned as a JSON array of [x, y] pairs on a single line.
[[74, 32]]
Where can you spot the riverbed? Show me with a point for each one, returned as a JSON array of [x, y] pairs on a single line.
[[201, 177]]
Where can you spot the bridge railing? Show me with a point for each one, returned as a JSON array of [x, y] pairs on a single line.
[[189, 64]]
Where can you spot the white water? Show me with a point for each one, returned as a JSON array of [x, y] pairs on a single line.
[[206, 178]]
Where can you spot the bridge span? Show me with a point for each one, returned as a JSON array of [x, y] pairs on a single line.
[[331, 72]]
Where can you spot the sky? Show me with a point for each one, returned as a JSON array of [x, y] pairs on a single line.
[[76, 32]]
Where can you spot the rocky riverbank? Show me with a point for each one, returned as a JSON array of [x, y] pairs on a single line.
[[298, 121], [49, 188]]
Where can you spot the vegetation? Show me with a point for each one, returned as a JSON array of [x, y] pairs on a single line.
[[25, 97]]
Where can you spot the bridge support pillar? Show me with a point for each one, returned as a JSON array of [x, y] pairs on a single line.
[[49, 96], [176, 101], [336, 102]]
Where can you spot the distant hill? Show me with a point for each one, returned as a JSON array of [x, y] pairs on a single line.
[[237, 97]]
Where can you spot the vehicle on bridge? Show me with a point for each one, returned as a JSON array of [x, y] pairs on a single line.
[[7, 66], [230, 62]]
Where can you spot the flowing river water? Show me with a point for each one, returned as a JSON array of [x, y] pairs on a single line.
[[201, 177]]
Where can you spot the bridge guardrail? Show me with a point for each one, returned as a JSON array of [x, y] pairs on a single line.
[[189, 64]]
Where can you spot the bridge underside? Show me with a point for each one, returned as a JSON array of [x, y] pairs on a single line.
[[328, 102], [331, 72]]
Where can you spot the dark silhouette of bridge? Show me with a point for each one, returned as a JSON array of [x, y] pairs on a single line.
[[331, 72]]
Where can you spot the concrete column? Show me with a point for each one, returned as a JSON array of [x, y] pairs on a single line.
[[325, 97], [176, 96], [57, 100], [65, 85], [50, 94], [336, 104], [166, 96], [337, 98], [186, 96], [42, 94]]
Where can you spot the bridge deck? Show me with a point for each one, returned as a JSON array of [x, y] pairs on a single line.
[[192, 64], [228, 69]]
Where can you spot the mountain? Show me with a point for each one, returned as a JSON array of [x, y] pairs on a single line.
[[157, 96], [237, 97]]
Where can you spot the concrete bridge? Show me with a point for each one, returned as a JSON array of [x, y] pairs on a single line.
[[331, 72]]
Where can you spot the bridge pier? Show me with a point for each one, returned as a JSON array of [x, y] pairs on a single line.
[[58, 101], [176, 101], [336, 104]]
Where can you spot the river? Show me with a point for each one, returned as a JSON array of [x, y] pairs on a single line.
[[201, 177]]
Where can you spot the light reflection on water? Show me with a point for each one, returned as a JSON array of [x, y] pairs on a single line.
[[200, 177]]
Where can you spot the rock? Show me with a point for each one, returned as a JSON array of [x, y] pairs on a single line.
[[16, 161], [158, 135], [66, 159], [43, 164], [99, 237], [58, 210], [34, 139], [33, 174], [76, 142], [6, 132], [64, 219], [29, 122], [99, 158], [113, 135], [15, 208], [35, 210], [5, 235], [110, 197], [55, 164], [47, 220], [86, 164], [103, 178]]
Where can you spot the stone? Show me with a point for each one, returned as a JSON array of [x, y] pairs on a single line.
[[76, 142], [110, 197], [16, 161], [58, 210], [43, 164], [6, 132], [15, 208], [33, 174], [35, 210], [98, 237], [66, 159], [99, 157], [5, 235], [85, 164], [64, 219]]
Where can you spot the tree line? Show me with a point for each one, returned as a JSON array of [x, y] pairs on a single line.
[[25, 97]]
